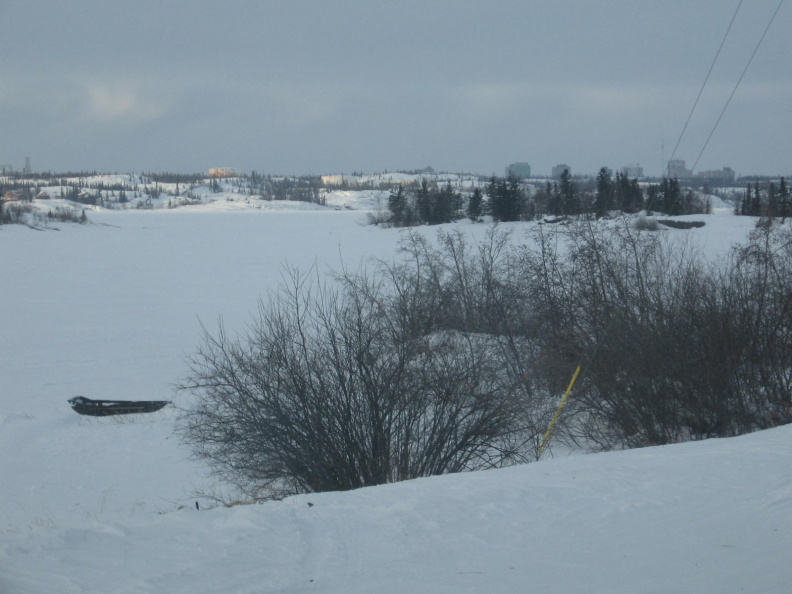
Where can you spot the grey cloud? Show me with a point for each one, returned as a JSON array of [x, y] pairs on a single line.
[[335, 85]]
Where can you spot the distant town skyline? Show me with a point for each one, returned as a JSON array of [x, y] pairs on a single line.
[[313, 87], [676, 168]]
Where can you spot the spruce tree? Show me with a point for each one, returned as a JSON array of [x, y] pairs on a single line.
[[506, 199], [756, 202], [745, 209], [397, 204], [772, 201], [603, 201], [475, 205], [623, 193], [552, 199], [569, 198], [515, 199], [671, 196], [636, 196], [424, 203], [783, 200], [447, 204]]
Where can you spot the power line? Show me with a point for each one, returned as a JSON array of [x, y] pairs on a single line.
[[715, 59], [756, 49]]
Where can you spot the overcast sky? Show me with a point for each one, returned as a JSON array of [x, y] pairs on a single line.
[[336, 86]]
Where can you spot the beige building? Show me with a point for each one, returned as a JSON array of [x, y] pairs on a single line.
[[223, 172]]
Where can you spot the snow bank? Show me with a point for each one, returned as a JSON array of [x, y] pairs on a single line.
[[712, 516]]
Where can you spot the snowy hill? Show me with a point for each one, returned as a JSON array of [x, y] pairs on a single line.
[[711, 516], [110, 309]]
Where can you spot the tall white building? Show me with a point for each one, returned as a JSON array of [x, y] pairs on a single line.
[[633, 170], [677, 169], [521, 170]]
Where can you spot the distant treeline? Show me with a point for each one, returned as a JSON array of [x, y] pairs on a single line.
[[510, 199], [770, 201]]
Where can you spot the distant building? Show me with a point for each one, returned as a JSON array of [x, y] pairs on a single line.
[[223, 172], [521, 170], [633, 170], [4, 169], [725, 175], [338, 180], [559, 169], [27, 166], [11, 196], [677, 169]]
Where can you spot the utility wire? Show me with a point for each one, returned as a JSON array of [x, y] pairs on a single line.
[[695, 103], [756, 49]]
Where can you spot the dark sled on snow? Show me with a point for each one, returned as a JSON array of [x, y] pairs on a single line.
[[104, 408]]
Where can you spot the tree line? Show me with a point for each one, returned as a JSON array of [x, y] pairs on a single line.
[[770, 201], [508, 199]]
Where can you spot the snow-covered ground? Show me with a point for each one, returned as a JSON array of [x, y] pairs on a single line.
[[110, 310]]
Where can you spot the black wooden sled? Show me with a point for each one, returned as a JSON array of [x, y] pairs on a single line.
[[103, 408]]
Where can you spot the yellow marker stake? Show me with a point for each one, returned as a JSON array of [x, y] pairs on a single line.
[[558, 413]]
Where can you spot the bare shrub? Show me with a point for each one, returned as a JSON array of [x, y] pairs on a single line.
[[67, 215], [16, 213], [474, 287], [28, 214], [674, 348], [343, 385], [453, 356], [760, 284]]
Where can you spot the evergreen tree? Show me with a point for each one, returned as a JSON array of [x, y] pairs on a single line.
[[447, 205], [745, 209], [783, 200], [623, 193], [506, 199], [772, 201], [493, 206], [603, 201], [687, 203], [475, 205], [568, 194], [671, 196], [424, 203], [636, 196], [529, 209], [653, 198], [756, 202], [397, 204], [515, 199], [553, 205]]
